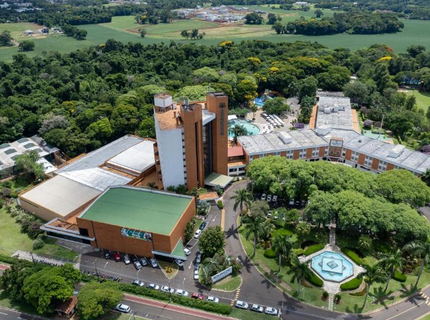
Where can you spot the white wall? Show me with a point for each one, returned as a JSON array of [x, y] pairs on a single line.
[[171, 157]]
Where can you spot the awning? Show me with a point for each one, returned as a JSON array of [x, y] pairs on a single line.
[[232, 117], [216, 179], [236, 151], [177, 253]]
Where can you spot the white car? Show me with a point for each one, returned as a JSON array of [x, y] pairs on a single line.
[[123, 308], [257, 308], [269, 198], [167, 289], [181, 292], [241, 304], [291, 202], [263, 197], [187, 251], [180, 263], [275, 198], [198, 257], [153, 262], [154, 286], [197, 234], [196, 274], [271, 311], [213, 299]]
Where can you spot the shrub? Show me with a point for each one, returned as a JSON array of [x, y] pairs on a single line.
[[315, 280], [352, 255], [351, 284], [399, 276], [220, 204], [298, 252], [34, 229], [337, 298], [269, 253], [184, 301], [38, 244], [325, 295], [312, 249]]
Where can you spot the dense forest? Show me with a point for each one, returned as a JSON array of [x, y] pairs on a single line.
[[82, 100], [354, 23]]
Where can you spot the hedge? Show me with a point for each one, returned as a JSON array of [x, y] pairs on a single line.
[[269, 253], [220, 308], [11, 260], [351, 284], [220, 204], [315, 280], [311, 249], [352, 255], [399, 276]]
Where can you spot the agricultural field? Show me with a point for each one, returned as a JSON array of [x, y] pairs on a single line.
[[16, 30], [125, 29]]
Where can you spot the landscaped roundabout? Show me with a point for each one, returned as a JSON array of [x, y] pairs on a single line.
[[352, 242]]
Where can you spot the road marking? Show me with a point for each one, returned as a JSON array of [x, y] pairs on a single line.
[[399, 314], [5, 314], [222, 219], [183, 281], [191, 263]]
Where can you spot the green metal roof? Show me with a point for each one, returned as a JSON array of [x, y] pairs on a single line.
[[215, 179], [177, 253], [138, 209]]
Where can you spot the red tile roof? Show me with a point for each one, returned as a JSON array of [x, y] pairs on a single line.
[[235, 151]]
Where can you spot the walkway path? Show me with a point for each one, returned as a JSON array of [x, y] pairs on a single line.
[[47, 260]]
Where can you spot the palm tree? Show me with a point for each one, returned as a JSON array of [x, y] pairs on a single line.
[[254, 109], [238, 130], [419, 249], [300, 272], [254, 226], [390, 263], [242, 198], [283, 244], [373, 274]]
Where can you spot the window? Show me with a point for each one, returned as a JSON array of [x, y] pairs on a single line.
[[83, 232], [354, 156], [251, 158], [382, 166], [315, 152], [326, 151], [277, 154], [368, 161], [290, 154], [302, 153]]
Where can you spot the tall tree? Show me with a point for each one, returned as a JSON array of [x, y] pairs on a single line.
[[391, 262], [283, 245], [300, 271], [26, 165], [242, 198], [254, 226], [420, 249], [373, 274], [211, 241], [237, 131]]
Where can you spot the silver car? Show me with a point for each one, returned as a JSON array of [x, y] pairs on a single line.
[[271, 311], [123, 308], [257, 308], [241, 304], [167, 289], [181, 292]]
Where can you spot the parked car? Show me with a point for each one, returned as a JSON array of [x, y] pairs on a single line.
[[297, 202], [137, 283], [275, 215], [137, 265], [143, 261], [181, 292], [117, 257], [269, 198], [275, 198], [271, 311], [107, 255], [153, 262], [134, 258], [213, 299], [198, 257], [269, 214], [197, 295], [196, 266], [154, 286], [203, 225], [180, 263], [123, 308], [167, 289], [291, 202], [257, 308], [197, 234], [241, 304], [127, 259], [187, 251], [263, 197], [196, 275]]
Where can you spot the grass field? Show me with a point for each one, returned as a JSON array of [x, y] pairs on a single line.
[[11, 239], [125, 29], [16, 29], [423, 99], [248, 315], [228, 284]]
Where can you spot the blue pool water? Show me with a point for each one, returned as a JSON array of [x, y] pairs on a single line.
[[251, 128], [259, 101], [332, 266]]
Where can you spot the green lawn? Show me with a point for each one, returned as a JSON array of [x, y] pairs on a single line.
[[423, 99], [17, 29], [249, 315], [11, 239], [6, 302], [228, 284]]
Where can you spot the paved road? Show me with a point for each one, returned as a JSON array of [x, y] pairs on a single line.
[[14, 315]]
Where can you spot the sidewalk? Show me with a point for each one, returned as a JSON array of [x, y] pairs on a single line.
[[38, 258], [174, 307]]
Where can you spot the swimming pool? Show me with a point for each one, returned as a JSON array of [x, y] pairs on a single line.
[[259, 101], [332, 266], [252, 129]]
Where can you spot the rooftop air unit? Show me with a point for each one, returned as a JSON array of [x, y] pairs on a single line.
[[323, 130], [163, 100], [396, 151], [285, 137], [327, 110]]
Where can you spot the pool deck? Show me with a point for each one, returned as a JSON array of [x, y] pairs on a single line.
[[331, 286]]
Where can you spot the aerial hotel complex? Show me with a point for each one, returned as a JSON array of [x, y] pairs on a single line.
[[334, 135]]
